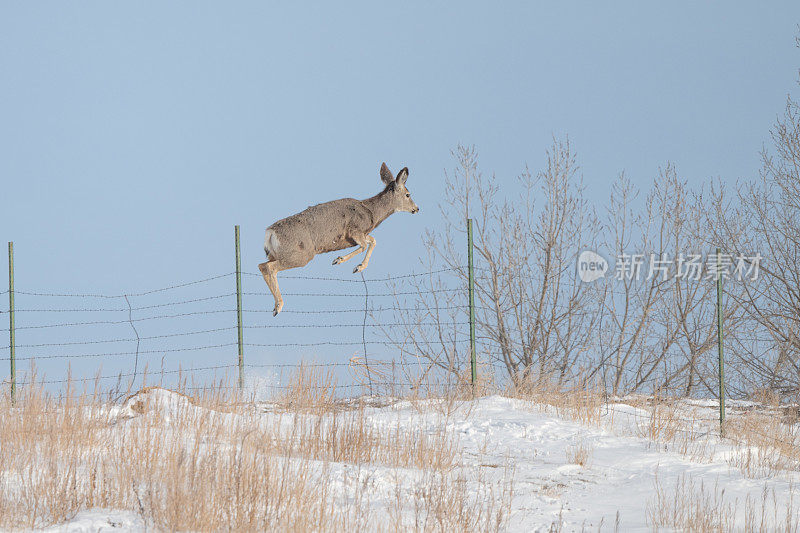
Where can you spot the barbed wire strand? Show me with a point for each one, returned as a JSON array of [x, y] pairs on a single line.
[[113, 354], [121, 296], [127, 339], [195, 313], [124, 375], [279, 326], [337, 343], [112, 322], [312, 365], [366, 280], [339, 294]]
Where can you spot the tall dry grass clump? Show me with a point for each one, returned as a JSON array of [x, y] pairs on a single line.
[[310, 388], [582, 402], [691, 506], [443, 503], [579, 454], [695, 506], [765, 443]]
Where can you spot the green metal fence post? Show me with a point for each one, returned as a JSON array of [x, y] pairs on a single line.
[[239, 308], [719, 348], [11, 321], [472, 358]]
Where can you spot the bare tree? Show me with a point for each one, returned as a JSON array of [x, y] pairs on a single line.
[[629, 348], [534, 319], [761, 222]]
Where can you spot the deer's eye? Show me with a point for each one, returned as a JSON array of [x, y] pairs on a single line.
[[408, 195]]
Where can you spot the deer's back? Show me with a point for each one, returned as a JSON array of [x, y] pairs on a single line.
[[324, 227]]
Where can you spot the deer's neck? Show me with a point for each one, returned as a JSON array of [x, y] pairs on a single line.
[[381, 207]]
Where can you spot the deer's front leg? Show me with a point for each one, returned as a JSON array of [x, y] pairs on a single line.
[[370, 247], [348, 257]]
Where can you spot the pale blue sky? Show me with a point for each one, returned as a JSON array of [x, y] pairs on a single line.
[[134, 136]]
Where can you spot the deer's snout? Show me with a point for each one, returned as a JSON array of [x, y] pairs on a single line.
[[415, 210]]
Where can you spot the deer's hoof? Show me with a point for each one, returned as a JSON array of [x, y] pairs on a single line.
[[277, 309], [359, 268], [338, 260]]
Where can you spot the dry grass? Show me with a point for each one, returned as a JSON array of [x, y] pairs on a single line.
[[310, 389], [579, 454], [691, 507], [308, 460], [765, 513], [671, 428], [582, 404], [189, 468], [765, 445], [663, 423], [694, 506], [442, 503], [213, 462]]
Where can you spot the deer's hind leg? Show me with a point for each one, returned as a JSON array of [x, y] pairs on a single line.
[[270, 270], [274, 264]]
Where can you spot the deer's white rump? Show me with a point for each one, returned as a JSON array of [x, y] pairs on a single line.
[[293, 241], [271, 243]]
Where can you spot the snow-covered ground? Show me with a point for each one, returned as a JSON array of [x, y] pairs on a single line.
[[100, 521], [629, 470]]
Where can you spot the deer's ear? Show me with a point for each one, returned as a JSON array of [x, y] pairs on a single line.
[[402, 176], [386, 174]]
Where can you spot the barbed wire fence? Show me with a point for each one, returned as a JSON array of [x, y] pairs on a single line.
[[188, 330], [130, 315]]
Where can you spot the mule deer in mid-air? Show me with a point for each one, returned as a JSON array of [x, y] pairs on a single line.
[[293, 241]]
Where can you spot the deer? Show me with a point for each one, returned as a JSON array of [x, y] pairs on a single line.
[[294, 241]]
